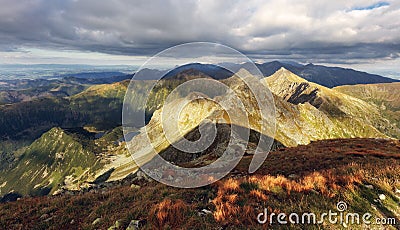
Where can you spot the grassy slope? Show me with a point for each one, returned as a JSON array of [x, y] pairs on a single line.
[[46, 163], [385, 96], [351, 116], [100, 105], [300, 179]]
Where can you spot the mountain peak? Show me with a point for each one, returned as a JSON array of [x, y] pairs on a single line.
[[284, 75]]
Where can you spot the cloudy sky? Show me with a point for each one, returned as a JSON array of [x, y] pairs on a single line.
[[363, 34]]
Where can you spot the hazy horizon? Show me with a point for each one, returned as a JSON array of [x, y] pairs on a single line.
[[359, 34], [18, 70]]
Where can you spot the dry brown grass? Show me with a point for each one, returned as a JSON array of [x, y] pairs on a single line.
[[259, 195], [231, 194], [169, 213], [230, 185], [371, 152], [226, 211]]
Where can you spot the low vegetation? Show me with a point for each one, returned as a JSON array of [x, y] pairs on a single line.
[[312, 178]]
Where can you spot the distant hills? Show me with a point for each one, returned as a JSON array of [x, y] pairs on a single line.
[[325, 76], [213, 71], [98, 105], [64, 85], [322, 75], [18, 90]]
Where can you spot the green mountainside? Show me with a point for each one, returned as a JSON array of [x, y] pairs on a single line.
[[341, 108], [385, 96], [54, 160]]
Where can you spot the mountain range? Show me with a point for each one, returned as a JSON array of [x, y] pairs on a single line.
[[322, 75], [63, 139], [305, 112]]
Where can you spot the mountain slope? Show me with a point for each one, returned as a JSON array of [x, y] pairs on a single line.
[[338, 106], [385, 96], [28, 120], [303, 123], [55, 160], [99, 106], [17, 90], [355, 171], [305, 112], [296, 124], [57, 89]]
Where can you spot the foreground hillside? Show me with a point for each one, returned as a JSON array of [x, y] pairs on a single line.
[[364, 173]]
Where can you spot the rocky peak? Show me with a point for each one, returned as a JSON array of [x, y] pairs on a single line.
[[284, 75]]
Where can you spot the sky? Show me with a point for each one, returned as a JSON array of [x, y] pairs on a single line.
[[361, 34]]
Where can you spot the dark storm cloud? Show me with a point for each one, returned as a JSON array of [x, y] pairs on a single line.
[[305, 30]]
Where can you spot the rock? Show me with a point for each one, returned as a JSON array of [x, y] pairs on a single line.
[[135, 224], [96, 221], [368, 186], [134, 186], [48, 219], [44, 216], [139, 175], [118, 223], [132, 225], [382, 196], [206, 211]]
